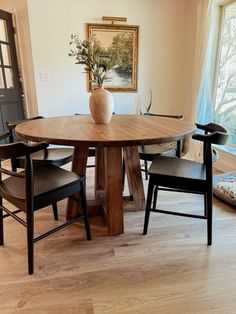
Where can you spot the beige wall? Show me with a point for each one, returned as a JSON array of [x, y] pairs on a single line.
[[164, 49], [166, 52], [189, 58], [19, 10]]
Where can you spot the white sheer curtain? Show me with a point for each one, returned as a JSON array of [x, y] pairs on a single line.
[[202, 73]]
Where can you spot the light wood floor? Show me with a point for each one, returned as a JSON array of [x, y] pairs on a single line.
[[171, 270]]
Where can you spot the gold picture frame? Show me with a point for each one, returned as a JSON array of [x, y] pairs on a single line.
[[122, 38]]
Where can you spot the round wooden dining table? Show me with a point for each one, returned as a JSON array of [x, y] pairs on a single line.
[[120, 137]]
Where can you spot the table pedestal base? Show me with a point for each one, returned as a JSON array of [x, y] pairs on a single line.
[[108, 184]]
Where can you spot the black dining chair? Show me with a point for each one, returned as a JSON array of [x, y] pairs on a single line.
[[181, 175], [57, 156], [34, 188], [147, 153]]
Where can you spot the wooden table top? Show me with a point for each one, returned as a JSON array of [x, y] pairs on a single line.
[[123, 130]]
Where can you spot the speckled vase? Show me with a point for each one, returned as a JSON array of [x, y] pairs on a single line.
[[101, 104]]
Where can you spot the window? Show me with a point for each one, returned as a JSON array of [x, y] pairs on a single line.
[[225, 88]]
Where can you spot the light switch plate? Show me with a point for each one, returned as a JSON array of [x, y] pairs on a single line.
[[44, 76]]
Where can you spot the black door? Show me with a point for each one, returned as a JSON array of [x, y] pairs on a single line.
[[11, 107]]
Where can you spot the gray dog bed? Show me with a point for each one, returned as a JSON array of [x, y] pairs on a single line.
[[224, 187]]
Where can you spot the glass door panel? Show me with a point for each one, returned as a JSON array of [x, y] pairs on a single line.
[[3, 30], [6, 54], [225, 100], [11, 106], [1, 79], [9, 78]]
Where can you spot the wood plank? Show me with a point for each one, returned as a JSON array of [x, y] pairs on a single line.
[[113, 190], [108, 189], [79, 165], [123, 130], [226, 162], [134, 176], [99, 170]]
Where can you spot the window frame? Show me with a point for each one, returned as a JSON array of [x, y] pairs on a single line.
[[221, 14]]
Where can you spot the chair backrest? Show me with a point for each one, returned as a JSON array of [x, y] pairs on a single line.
[[5, 137], [213, 134], [180, 144], [11, 125], [180, 116], [18, 149], [211, 127]]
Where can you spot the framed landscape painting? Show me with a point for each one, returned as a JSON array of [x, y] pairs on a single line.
[[120, 44]]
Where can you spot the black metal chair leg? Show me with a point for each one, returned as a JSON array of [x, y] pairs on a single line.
[[55, 211], [178, 149], [13, 165], [85, 211], [30, 241], [1, 225], [209, 218], [155, 193], [148, 207], [146, 169], [123, 179]]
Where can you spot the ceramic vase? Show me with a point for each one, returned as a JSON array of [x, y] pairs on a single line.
[[101, 104]]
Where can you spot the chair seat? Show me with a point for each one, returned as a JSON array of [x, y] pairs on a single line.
[[52, 156], [48, 180], [149, 152], [175, 171]]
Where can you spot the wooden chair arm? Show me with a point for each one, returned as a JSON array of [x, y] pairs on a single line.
[[218, 138]]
